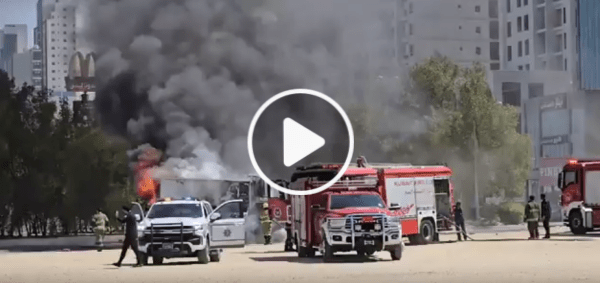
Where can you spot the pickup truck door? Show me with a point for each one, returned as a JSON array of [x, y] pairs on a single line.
[[227, 225]]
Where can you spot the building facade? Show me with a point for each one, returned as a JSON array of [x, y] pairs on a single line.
[[59, 44], [464, 31]]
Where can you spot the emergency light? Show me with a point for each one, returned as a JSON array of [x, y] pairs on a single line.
[[573, 161]]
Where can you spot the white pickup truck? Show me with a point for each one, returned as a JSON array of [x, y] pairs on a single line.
[[189, 228]]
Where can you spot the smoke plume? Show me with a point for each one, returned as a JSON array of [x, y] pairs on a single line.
[[188, 75]]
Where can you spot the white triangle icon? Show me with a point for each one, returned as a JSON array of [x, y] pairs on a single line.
[[298, 142]]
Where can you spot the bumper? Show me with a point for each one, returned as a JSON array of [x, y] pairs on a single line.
[[187, 248], [348, 241]]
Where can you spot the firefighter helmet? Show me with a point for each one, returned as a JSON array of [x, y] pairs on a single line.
[[265, 205]]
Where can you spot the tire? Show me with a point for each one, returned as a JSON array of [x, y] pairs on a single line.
[[144, 258], [310, 252], [203, 255], [576, 223], [157, 260], [426, 234], [396, 253], [369, 253], [301, 250], [327, 252], [216, 257]]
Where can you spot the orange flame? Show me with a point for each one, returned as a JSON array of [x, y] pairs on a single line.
[[147, 186]]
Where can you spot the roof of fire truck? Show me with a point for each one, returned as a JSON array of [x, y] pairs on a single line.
[[327, 171], [582, 162]]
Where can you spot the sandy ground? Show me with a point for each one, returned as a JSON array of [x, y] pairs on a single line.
[[493, 257]]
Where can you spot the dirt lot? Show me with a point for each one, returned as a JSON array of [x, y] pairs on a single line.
[[503, 257]]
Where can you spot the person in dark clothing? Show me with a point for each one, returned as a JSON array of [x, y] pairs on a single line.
[[460, 221], [131, 237], [546, 213]]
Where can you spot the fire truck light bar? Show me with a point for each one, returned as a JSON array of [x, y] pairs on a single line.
[[573, 161], [350, 184]]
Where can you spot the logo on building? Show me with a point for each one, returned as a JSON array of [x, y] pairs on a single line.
[[82, 72]]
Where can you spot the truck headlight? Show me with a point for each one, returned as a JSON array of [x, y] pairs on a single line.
[[198, 228], [357, 227], [337, 223], [377, 227]]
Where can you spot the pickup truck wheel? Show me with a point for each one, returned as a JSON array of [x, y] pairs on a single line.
[[576, 223], [369, 253], [157, 260], [215, 257], [327, 252], [203, 255], [396, 253], [143, 258]]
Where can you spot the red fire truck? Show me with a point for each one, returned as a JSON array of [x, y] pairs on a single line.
[[580, 201], [351, 215]]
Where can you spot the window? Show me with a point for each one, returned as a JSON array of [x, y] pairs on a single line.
[[493, 9], [459, 6], [525, 2], [410, 29], [527, 67], [526, 47], [494, 30], [508, 6], [565, 64], [53, 55], [570, 177], [411, 48], [495, 50], [565, 40], [520, 67], [410, 7], [478, 50], [495, 66], [461, 48], [518, 3], [478, 30], [564, 15], [459, 27], [509, 53], [519, 24], [520, 49], [526, 22], [231, 210], [53, 63], [477, 9], [508, 30], [52, 47], [344, 201], [53, 71]]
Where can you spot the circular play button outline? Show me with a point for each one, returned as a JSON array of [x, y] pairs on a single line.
[[306, 92]]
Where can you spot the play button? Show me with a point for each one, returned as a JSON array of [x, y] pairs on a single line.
[[298, 142], [297, 128]]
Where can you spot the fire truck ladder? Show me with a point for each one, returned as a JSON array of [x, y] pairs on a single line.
[[458, 229]]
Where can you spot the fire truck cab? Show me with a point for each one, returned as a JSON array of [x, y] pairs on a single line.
[[351, 215], [579, 183]]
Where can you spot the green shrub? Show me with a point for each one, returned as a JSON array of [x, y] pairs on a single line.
[[511, 213]]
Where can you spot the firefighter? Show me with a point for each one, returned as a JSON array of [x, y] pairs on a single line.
[[131, 237], [459, 219], [266, 224], [100, 220], [532, 217], [546, 213]]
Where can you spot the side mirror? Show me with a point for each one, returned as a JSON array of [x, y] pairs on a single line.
[[394, 205], [315, 207], [215, 216], [560, 179], [138, 218]]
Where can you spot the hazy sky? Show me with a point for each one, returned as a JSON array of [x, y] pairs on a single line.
[[19, 12]]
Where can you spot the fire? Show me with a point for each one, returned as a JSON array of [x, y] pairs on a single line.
[[147, 186]]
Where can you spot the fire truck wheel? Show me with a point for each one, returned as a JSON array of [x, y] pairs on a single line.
[[576, 223], [310, 252], [396, 253], [157, 260]]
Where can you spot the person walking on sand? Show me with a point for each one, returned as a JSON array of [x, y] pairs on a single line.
[[546, 213], [532, 217], [100, 221], [131, 237]]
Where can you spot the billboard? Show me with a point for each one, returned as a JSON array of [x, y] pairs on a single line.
[[549, 169], [82, 71]]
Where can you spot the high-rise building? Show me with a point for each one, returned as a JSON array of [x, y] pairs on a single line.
[[21, 33], [9, 47], [59, 44], [464, 31]]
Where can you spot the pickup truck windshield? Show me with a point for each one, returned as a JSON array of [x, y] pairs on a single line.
[[176, 210], [340, 202]]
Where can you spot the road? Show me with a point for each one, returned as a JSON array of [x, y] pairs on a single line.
[[493, 257]]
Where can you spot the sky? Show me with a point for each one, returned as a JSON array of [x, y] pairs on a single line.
[[19, 12]]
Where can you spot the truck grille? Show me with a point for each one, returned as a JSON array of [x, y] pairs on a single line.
[[366, 227], [168, 233]]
